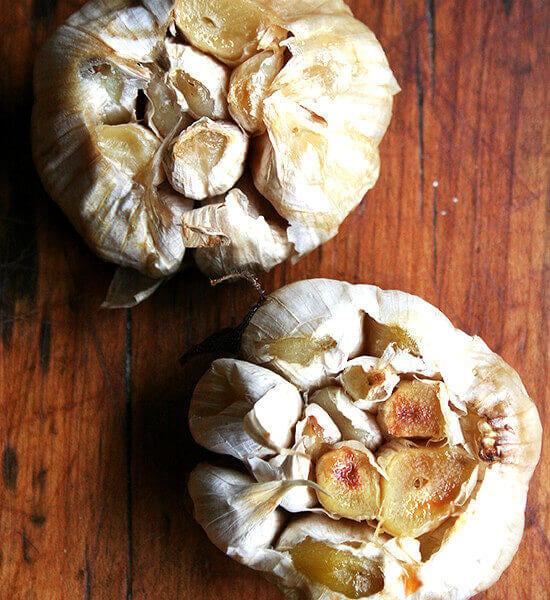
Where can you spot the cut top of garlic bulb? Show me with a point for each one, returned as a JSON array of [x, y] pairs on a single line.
[[305, 80], [408, 450]]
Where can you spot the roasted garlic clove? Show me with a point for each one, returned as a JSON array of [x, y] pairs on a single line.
[[413, 411], [351, 482], [339, 570], [230, 30], [200, 80], [206, 159], [424, 486], [130, 148], [165, 112], [379, 336], [316, 432], [254, 239], [249, 86]]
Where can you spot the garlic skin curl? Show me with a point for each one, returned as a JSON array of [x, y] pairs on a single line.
[[302, 90], [385, 454]]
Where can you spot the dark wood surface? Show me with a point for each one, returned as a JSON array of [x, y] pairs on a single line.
[[94, 446]]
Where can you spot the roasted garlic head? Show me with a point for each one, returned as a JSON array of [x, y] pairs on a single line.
[[246, 129], [386, 454]]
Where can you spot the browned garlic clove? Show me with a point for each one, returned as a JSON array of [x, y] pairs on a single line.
[[230, 30], [413, 411], [353, 482], [249, 86], [206, 159], [424, 486]]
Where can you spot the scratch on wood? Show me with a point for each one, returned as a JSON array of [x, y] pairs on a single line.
[[28, 549], [39, 480], [44, 341], [420, 102], [87, 576], [10, 467], [128, 401], [430, 17]]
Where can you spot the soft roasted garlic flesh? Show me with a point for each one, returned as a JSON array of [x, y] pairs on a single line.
[[230, 30], [413, 411], [130, 147], [206, 159], [421, 488], [339, 570], [357, 382], [377, 337], [352, 482]]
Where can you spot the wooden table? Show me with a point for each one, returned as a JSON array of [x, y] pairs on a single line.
[[93, 439]]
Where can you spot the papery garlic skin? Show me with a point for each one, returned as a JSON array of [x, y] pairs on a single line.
[[309, 83], [438, 533], [200, 81]]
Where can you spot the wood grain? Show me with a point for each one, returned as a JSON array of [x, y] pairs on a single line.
[[94, 447]]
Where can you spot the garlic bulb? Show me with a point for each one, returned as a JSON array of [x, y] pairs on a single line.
[[406, 447], [119, 95]]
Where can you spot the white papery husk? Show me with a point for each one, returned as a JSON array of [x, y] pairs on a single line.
[[353, 423], [499, 427], [241, 215], [323, 115], [243, 410], [200, 81]]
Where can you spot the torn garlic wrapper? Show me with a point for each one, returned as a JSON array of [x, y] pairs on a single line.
[[386, 454], [295, 94]]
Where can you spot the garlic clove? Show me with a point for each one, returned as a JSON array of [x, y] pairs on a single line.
[[130, 148], [424, 486], [199, 80], [305, 333], [316, 432], [230, 30], [339, 570], [351, 481], [256, 239], [206, 159], [165, 111], [239, 515], [353, 423], [413, 411], [249, 86], [367, 382], [342, 559], [228, 392]]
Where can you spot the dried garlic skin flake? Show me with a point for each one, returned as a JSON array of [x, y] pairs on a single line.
[[308, 82], [395, 449]]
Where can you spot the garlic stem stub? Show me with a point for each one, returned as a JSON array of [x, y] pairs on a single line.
[[408, 454], [308, 84]]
